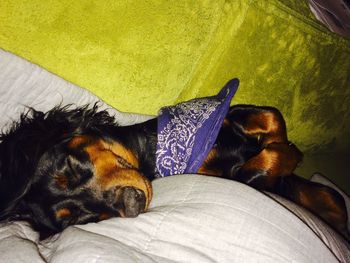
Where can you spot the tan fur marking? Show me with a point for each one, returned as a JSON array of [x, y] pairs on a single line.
[[226, 122], [61, 181], [278, 159], [323, 204], [125, 153], [110, 172], [268, 126], [63, 212], [104, 216], [211, 172], [304, 199], [77, 141]]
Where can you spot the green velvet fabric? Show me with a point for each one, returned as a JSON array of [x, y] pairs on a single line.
[[141, 55]]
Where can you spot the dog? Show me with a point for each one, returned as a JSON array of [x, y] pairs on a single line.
[[74, 165]]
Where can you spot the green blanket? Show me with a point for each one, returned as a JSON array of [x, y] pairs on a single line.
[[141, 55]]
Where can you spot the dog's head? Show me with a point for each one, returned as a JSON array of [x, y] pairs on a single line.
[[67, 167]]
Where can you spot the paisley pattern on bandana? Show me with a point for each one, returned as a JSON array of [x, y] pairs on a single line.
[[176, 140], [187, 131]]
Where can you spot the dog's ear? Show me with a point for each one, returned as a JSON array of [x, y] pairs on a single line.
[[14, 176], [21, 148], [19, 153], [21, 210], [34, 215]]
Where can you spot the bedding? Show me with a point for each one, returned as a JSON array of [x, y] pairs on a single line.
[[191, 218], [141, 55]]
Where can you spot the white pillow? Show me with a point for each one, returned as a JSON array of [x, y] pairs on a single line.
[[192, 218], [23, 85]]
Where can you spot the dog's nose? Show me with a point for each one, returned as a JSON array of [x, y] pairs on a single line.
[[128, 201], [134, 202]]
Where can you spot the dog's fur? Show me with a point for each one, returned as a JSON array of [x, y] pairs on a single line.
[[77, 165]]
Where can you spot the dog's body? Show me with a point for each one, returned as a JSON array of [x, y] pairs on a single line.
[[70, 166]]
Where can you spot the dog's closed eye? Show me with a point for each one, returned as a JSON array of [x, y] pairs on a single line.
[[73, 170], [123, 163], [72, 174]]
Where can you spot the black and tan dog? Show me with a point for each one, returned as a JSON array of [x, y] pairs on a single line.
[[77, 165]]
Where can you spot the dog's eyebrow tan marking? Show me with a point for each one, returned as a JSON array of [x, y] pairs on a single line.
[[63, 212], [78, 141]]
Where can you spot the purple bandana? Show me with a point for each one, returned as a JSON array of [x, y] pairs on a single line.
[[188, 130]]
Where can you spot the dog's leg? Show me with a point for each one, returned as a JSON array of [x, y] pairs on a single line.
[[263, 170], [278, 157], [322, 200], [272, 169]]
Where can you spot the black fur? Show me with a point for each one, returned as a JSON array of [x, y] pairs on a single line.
[[22, 186]]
